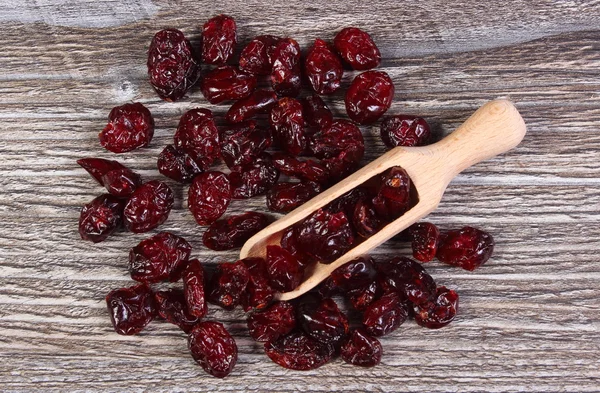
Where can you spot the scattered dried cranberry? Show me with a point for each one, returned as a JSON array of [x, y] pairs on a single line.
[[393, 195], [287, 124], [242, 143], [440, 312], [148, 207], [131, 309], [326, 288], [227, 83], [208, 197], [298, 351], [177, 164], [340, 136], [101, 217], [173, 308], [268, 325], [385, 315], [219, 36], [254, 178], [357, 48], [172, 67], [316, 112], [369, 96], [257, 57], [323, 68], [409, 279], [365, 219], [193, 288], [129, 127], [354, 274], [467, 247], [361, 298], [119, 180], [285, 74], [213, 348], [309, 170], [197, 132], [404, 130], [284, 269], [260, 101], [323, 321], [424, 238], [361, 349], [158, 258], [258, 293], [234, 231], [98, 167], [285, 197], [228, 284]]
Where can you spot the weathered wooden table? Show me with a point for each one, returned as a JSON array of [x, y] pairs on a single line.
[[529, 319]]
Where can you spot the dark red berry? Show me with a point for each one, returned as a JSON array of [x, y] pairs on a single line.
[[131, 309], [365, 219], [213, 348], [284, 269], [308, 170], [129, 127], [286, 73], [173, 308], [346, 202], [208, 196], [253, 179], [98, 167], [234, 231], [323, 68], [361, 298], [219, 36], [287, 124], [404, 130], [361, 349], [326, 288], [467, 247], [289, 240], [393, 197], [369, 96], [268, 325], [119, 180], [357, 48], [228, 284], [316, 112], [323, 321], [257, 57], [242, 143], [100, 218], [158, 258], [258, 291], [424, 238], [409, 279], [285, 197], [260, 101], [148, 207], [354, 274], [385, 315], [342, 136], [298, 351], [198, 135], [440, 312], [193, 288], [177, 164], [227, 83]]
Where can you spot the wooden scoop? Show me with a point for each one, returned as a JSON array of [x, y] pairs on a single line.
[[494, 128]]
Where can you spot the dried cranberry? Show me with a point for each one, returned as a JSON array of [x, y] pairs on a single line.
[[254, 178], [148, 207], [365, 219], [361, 298], [284, 269], [234, 231], [361, 349], [219, 36], [404, 130], [316, 112], [385, 315], [177, 164], [285, 197], [409, 279], [228, 284], [289, 239], [287, 124], [129, 127], [208, 196], [98, 167], [369, 96], [357, 48], [440, 312], [326, 288], [173, 308], [213, 348], [268, 325], [119, 180], [285, 74], [467, 247], [424, 237], [257, 57], [354, 274], [193, 288], [341, 136], [242, 143], [260, 101], [309, 170], [131, 309], [197, 132], [298, 351], [323, 321], [172, 67], [101, 217], [393, 195], [227, 83], [158, 258], [346, 202], [258, 291], [323, 68]]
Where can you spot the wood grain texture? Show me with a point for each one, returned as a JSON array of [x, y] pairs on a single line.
[[529, 319]]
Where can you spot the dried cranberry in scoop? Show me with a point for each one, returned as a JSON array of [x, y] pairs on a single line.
[[148, 207], [365, 219], [219, 36], [100, 218], [354, 274], [316, 113], [286, 73], [284, 269], [257, 57], [131, 309], [357, 48], [177, 164], [323, 321], [173, 308], [424, 239], [287, 124], [369, 96], [158, 258], [119, 180], [198, 133], [404, 130], [129, 127], [228, 284], [298, 351], [385, 315], [323, 68], [227, 83], [409, 279], [260, 101], [309, 170], [234, 231], [361, 349], [213, 348], [393, 197], [172, 66], [208, 196], [346, 202], [268, 325], [258, 291], [254, 178], [193, 288], [285, 197], [242, 143], [467, 247], [440, 312]]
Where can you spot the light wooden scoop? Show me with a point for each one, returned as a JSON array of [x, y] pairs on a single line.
[[494, 128]]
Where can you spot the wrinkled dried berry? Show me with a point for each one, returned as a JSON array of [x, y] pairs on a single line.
[[323, 68], [440, 312], [357, 48], [287, 124], [361, 349], [258, 293], [404, 130], [268, 325], [257, 57], [365, 219], [254, 178], [289, 242], [129, 127], [177, 164], [208, 197], [158, 258], [354, 274], [98, 167], [148, 207], [323, 321], [119, 180], [198, 133], [173, 308], [234, 231], [228, 284], [242, 143], [369, 96], [298, 351], [409, 279], [385, 315], [286, 73], [131, 309], [424, 239], [341, 145], [172, 66], [393, 194], [213, 348], [285, 197], [346, 202], [101, 217], [361, 298], [467, 247], [227, 83], [326, 288], [309, 170], [193, 288], [284, 269], [316, 112], [260, 101], [219, 36]]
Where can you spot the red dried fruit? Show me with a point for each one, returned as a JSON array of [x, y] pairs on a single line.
[[228, 284], [440, 312], [193, 288], [361, 298], [309, 170], [98, 167], [385, 315], [285, 197], [227, 83], [119, 180], [257, 57], [208, 196], [409, 279], [298, 351], [361, 349], [289, 242], [346, 202], [316, 112], [341, 136], [354, 274], [198, 133], [177, 164], [287, 124], [424, 238], [158, 258], [254, 178], [172, 66], [467, 247], [234, 231], [100, 218], [213, 348], [365, 219], [242, 143], [268, 325], [173, 308], [369, 96], [326, 288], [357, 48], [258, 291], [404, 130], [219, 36], [284, 269], [323, 321], [285, 74], [323, 68], [393, 194], [148, 207], [129, 127], [131, 309], [260, 101]]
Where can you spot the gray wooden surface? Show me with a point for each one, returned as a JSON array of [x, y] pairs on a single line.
[[529, 319]]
